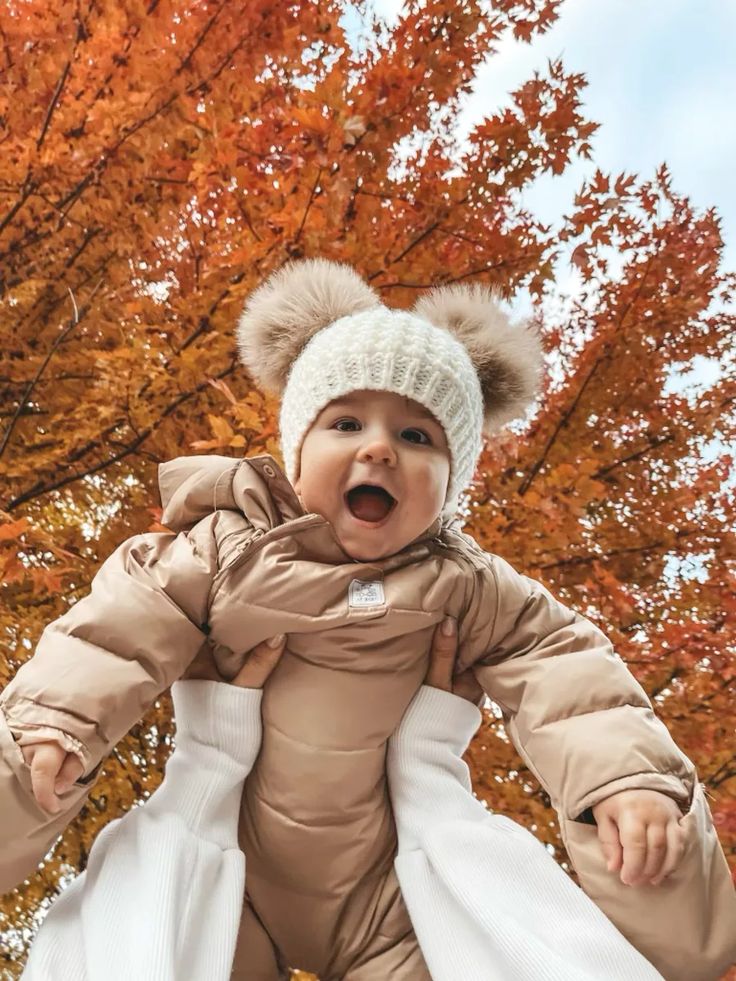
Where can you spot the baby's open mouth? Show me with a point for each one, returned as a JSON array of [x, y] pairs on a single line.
[[368, 502]]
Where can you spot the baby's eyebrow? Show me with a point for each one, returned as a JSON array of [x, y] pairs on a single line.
[[425, 413], [420, 410], [355, 403]]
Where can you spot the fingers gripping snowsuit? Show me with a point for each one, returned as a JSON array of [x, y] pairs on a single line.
[[243, 563]]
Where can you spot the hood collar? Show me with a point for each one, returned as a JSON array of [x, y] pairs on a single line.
[[192, 487]]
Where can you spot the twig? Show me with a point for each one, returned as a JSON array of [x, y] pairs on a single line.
[[34, 381], [420, 238], [309, 205], [653, 444], [208, 26], [585, 559], [39, 489], [54, 101]]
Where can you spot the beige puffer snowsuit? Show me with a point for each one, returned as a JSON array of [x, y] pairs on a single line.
[[244, 563]]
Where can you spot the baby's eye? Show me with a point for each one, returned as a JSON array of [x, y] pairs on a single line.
[[346, 422], [416, 436]]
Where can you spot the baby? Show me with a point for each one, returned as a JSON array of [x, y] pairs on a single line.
[[355, 554]]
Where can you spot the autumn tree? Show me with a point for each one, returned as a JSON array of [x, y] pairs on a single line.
[[160, 158]]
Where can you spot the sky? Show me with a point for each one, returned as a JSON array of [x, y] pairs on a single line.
[[661, 82]]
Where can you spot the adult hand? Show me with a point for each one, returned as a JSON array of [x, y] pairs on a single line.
[[442, 665], [258, 665]]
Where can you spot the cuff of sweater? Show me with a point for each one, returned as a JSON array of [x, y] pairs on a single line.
[[439, 715], [219, 715]]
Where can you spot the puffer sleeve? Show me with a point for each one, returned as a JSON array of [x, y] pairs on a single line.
[[578, 717], [95, 672], [98, 667]]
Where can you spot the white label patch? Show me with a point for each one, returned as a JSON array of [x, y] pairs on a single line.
[[366, 593]]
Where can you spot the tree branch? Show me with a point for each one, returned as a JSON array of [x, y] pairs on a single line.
[[586, 559], [55, 98], [203, 34], [25, 192], [309, 205], [674, 673], [100, 164], [653, 444], [537, 466], [60, 338], [420, 238], [402, 284], [40, 489], [724, 772], [563, 421], [246, 216]]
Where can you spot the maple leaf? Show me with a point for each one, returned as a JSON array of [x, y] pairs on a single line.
[[353, 128]]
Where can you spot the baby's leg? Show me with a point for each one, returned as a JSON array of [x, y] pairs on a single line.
[[255, 958], [401, 962]]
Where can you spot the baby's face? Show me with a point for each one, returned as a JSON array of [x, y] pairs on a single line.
[[386, 441]]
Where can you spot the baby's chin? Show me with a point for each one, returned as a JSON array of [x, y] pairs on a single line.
[[370, 546], [370, 551], [365, 544]]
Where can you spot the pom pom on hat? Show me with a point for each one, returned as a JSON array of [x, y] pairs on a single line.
[[289, 308], [507, 358]]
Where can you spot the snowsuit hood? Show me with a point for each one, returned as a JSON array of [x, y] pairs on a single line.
[[192, 487]]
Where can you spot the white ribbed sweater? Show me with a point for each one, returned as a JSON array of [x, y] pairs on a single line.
[[162, 895]]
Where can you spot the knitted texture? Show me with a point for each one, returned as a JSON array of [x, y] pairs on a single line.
[[315, 330], [162, 895], [391, 351], [506, 909]]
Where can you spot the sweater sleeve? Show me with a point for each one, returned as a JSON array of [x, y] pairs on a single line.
[[218, 736], [97, 668], [507, 909], [178, 852], [424, 754], [577, 716]]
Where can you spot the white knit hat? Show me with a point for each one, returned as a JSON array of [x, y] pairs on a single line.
[[315, 331]]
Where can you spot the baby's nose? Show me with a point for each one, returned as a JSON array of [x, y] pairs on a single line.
[[378, 451]]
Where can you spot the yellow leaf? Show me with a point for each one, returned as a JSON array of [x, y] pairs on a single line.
[[221, 428]]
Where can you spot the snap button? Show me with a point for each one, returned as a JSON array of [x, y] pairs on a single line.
[[268, 470]]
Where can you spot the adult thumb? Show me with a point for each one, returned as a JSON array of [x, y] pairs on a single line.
[[260, 662]]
